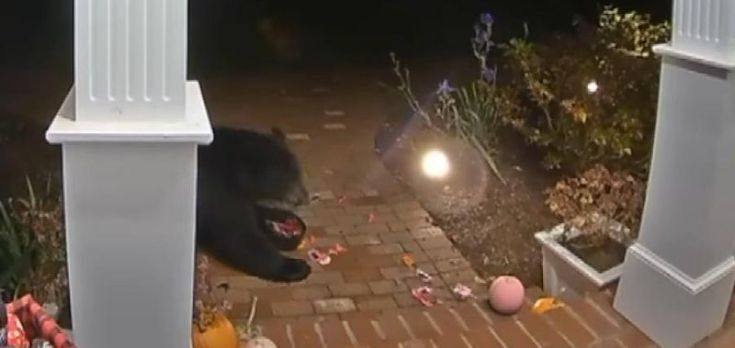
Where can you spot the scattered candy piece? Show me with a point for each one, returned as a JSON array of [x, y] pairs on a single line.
[[425, 277], [371, 217], [342, 199], [289, 228], [337, 249], [409, 261], [462, 291], [425, 295], [546, 304], [320, 257]]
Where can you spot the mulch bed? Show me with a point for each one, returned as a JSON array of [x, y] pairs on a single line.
[[491, 224]]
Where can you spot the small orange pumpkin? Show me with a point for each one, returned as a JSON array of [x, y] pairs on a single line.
[[220, 334]]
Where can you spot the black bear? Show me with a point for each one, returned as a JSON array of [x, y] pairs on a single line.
[[238, 170]]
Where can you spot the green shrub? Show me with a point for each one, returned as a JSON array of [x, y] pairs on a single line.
[[549, 103], [16, 248], [33, 247]]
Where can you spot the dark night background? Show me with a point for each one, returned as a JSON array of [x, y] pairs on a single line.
[[223, 34]]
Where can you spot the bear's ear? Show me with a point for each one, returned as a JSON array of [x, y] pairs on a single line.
[[278, 134]]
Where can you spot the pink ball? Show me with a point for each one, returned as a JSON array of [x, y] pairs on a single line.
[[507, 295]]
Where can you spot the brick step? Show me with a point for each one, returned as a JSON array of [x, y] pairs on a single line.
[[587, 321]]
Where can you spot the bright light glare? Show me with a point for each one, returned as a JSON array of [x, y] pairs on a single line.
[[592, 87], [435, 164]]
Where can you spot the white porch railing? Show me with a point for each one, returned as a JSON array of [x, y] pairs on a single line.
[[129, 131]]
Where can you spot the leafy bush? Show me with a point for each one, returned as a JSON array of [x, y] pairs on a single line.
[[34, 255], [588, 101], [599, 192]]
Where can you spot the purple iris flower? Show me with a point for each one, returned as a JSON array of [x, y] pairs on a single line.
[[445, 88], [487, 19], [489, 75]]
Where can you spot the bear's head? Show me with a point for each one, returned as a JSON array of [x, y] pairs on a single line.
[[272, 175]]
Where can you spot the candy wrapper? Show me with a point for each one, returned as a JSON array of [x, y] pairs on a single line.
[[337, 249], [320, 257], [425, 277], [28, 321], [16, 333], [289, 228], [462, 292], [425, 295], [546, 304]]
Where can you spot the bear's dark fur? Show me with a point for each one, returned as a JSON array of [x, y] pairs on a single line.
[[237, 171]]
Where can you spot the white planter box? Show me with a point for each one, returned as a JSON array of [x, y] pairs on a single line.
[[564, 272]]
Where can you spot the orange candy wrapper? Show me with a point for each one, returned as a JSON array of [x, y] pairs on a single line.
[[546, 304]]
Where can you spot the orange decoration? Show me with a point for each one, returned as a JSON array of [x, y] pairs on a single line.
[[220, 334]]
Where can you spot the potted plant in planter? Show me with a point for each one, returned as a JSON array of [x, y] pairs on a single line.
[[601, 215], [211, 328]]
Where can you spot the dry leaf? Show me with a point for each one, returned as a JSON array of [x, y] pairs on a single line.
[[409, 261]]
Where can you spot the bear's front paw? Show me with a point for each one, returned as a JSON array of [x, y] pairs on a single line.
[[294, 270]]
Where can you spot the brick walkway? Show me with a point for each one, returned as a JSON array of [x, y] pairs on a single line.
[[362, 299], [360, 207]]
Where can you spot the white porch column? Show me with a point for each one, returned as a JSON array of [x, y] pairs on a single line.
[[678, 278], [129, 131]]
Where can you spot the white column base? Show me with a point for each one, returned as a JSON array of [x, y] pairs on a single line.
[[130, 205], [673, 309]]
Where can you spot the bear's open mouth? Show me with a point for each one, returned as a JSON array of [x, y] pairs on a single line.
[[284, 227]]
